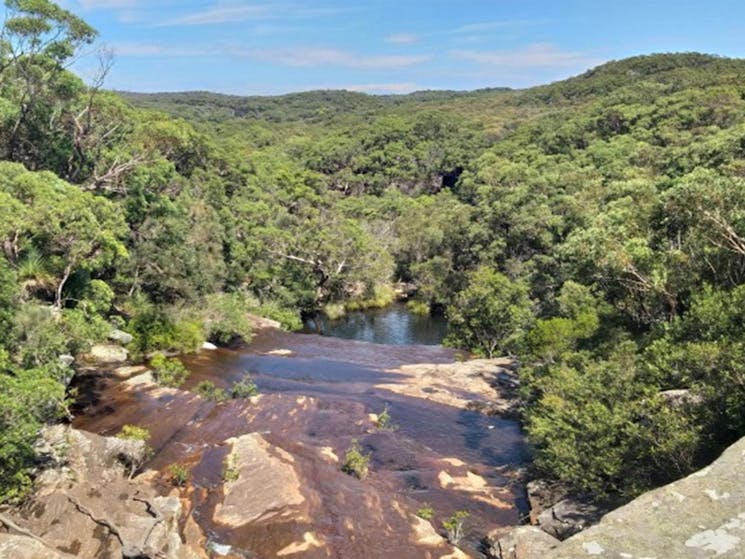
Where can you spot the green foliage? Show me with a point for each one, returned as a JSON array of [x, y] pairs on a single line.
[[454, 526], [209, 391], [426, 512], [384, 420], [28, 400], [179, 474], [134, 433], [230, 472], [356, 462], [491, 315], [167, 371], [244, 388]]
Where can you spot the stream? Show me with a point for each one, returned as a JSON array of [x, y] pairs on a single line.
[[316, 396]]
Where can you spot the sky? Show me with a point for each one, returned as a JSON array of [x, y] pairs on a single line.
[[268, 47]]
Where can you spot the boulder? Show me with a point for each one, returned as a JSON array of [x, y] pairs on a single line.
[[23, 547], [569, 516], [262, 483], [702, 515], [524, 542], [85, 505], [120, 337], [108, 353], [208, 346]]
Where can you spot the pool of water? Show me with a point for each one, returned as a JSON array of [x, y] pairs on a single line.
[[393, 325]]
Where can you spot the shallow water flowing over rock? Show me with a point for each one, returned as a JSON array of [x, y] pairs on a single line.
[[265, 474]]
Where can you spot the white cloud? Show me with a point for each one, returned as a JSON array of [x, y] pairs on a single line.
[[402, 39], [533, 56], [494, 25], [311, 57], [220, 15], [296, 57]]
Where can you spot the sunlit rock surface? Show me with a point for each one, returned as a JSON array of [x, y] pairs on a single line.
[[700, 516]]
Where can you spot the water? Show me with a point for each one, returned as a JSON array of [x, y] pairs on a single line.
[[317, 392], [393, 325]]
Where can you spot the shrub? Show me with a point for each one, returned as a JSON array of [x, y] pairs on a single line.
[[426, 511], [454, 526], [227, 318], [134, 433], [288, 318], [244, 388], [230, 471], [209, 391], [167, 371], [384, 420], [179, 474], [356, 463], [419, 308]]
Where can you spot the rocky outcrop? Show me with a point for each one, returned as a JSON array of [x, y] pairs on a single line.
[[85, 506], [108, 353], [525, 542], [700, 516], [485, 385], [261, 483]]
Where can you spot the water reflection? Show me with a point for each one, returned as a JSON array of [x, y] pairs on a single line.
[[393, 325]]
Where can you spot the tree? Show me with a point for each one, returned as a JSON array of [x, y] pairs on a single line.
[[491, 314]]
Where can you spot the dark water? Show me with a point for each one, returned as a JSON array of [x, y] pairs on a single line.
[[393, 325]]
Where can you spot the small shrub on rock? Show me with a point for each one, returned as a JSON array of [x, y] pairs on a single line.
[[356, 463], [167, 371]]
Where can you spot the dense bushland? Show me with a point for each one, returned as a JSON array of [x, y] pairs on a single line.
[[593, 228]]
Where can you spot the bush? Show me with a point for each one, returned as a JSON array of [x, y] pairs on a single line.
[[179, 474], [426, 512], [134, 433], [356, 463], [244, 388], [454, 526], [209, 391], [167, 371], [230, 471], [288, 318], [384, 420], [419, 308], [228, 318]]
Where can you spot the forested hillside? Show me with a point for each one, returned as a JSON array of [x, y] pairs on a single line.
[[593, 228]]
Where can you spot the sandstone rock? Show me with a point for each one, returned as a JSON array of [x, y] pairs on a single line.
[[88, 508], [23, 547], [484, 385], [207, 346], [524, 542], [266, 485], [569, 516], [125, 373], [702, 515], [120, 336], [107, 353], [681, 398]]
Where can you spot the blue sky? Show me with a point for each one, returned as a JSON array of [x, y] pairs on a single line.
[[390, 46]]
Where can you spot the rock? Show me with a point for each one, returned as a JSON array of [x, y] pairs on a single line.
[[541, 496], [66, 360], [125, 373], [23, 547], [107, 353], [569, 516], [484, 385], [120, 336], [88, 507], [261, 323], [207, 346], [702, 515], [523, 542], [266, 485], [681, 398]]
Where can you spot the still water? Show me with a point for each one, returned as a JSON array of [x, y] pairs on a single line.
[[393, 325]]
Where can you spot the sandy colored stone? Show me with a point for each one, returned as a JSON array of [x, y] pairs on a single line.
[[129, 372], [267, 485], [22, 547], [700, 516], [484, 385], [108, 353], [523, 542], [310, 541]]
